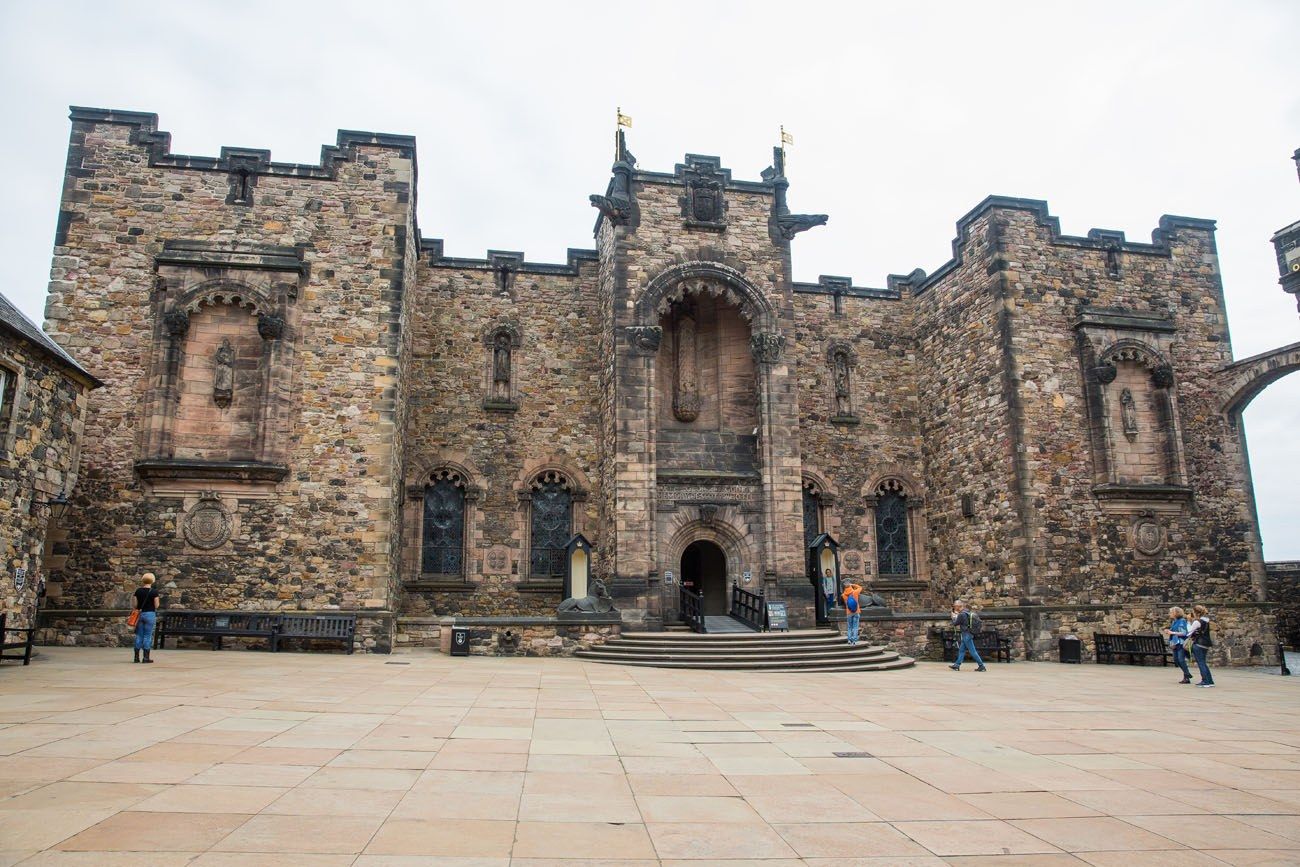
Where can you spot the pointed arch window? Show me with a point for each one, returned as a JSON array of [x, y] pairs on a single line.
[[550, 524], [893, 547], [443, 542]]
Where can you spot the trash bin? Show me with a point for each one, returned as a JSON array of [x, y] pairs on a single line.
[[459, 641], [1070, 649]]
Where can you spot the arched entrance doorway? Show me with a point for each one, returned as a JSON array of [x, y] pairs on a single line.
[[704, 570]]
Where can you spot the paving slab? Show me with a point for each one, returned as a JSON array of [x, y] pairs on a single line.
[[246, 758]]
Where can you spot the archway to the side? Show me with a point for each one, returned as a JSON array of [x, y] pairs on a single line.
[[704, 570]]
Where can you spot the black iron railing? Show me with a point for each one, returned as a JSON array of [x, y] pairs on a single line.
[[692, 605], [749, 608]]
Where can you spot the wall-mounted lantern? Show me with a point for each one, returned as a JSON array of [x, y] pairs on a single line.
[[577, 572], [58, 506]]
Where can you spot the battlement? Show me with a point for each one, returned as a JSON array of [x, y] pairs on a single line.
[[1096, 239], [146, 134], [511, 260]]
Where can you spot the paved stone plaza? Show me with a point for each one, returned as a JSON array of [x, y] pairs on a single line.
[[252, 759]]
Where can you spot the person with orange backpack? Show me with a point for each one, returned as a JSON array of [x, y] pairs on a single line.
[[853, 608]]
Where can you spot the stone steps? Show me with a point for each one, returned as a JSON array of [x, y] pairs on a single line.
[[811, 650]]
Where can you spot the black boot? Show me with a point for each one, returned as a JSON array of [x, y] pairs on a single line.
[[137, 655], [146, 656]]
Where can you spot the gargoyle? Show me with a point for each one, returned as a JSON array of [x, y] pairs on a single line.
[[790, 225]]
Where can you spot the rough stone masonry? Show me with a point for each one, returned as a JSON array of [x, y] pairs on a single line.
[[310, 406]]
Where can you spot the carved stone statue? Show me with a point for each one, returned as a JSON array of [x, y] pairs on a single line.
[[686, 387], [223, 375], [599, 602], [843, 406], [1128, 412], [501, 367]]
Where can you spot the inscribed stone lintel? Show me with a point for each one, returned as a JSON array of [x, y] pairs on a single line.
[[1134, 499]]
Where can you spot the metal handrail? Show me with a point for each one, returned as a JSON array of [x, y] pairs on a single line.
[[692, 605], [749, 608]]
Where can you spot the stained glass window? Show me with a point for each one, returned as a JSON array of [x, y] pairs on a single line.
[[444, 528], [552, 512], [891, 532]]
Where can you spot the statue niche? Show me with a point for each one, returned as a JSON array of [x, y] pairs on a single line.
[[223, 374], [686, 379], [501, 367], [501, 390]]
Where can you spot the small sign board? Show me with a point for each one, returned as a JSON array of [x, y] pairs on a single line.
[[20, 579], [668, 577], [777, 616]]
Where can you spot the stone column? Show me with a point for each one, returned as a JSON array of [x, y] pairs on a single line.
[[778, 449]]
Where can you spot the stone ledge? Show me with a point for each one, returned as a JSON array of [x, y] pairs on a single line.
[[611, 618], [151, 469]]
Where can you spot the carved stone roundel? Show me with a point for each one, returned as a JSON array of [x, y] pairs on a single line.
[[207, 526], [1148, 536]]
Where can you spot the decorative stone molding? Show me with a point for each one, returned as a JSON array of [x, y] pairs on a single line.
[[177, 323], [767, 347], [270, 327], [644, 339], [1103, 374]]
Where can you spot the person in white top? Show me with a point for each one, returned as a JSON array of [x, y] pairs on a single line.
[[1198, 636]]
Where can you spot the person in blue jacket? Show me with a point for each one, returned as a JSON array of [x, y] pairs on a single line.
[[1177, 635]]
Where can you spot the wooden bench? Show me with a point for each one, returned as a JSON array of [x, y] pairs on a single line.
[[992, 645], [1135, 647], [25, 645], [216, 625], [316, 627]]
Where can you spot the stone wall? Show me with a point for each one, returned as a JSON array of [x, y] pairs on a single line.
[[531, 636], [320, 251], [550, 422], [80, 627], [1284, 590], [848, 455], [40, 436]]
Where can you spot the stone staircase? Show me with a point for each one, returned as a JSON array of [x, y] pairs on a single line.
[[801, 650]]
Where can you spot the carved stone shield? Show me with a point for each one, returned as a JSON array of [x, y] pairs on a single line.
[[704, 203], [207, 526]]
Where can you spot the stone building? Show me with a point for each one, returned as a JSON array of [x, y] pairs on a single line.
[[43, 400], [312, 406]]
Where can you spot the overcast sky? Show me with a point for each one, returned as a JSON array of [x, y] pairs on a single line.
[[905, 115]]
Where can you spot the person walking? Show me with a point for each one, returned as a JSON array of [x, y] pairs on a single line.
[[1198, 634], [961, 618], [146, 602], [1177, 636], [854, 609]]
